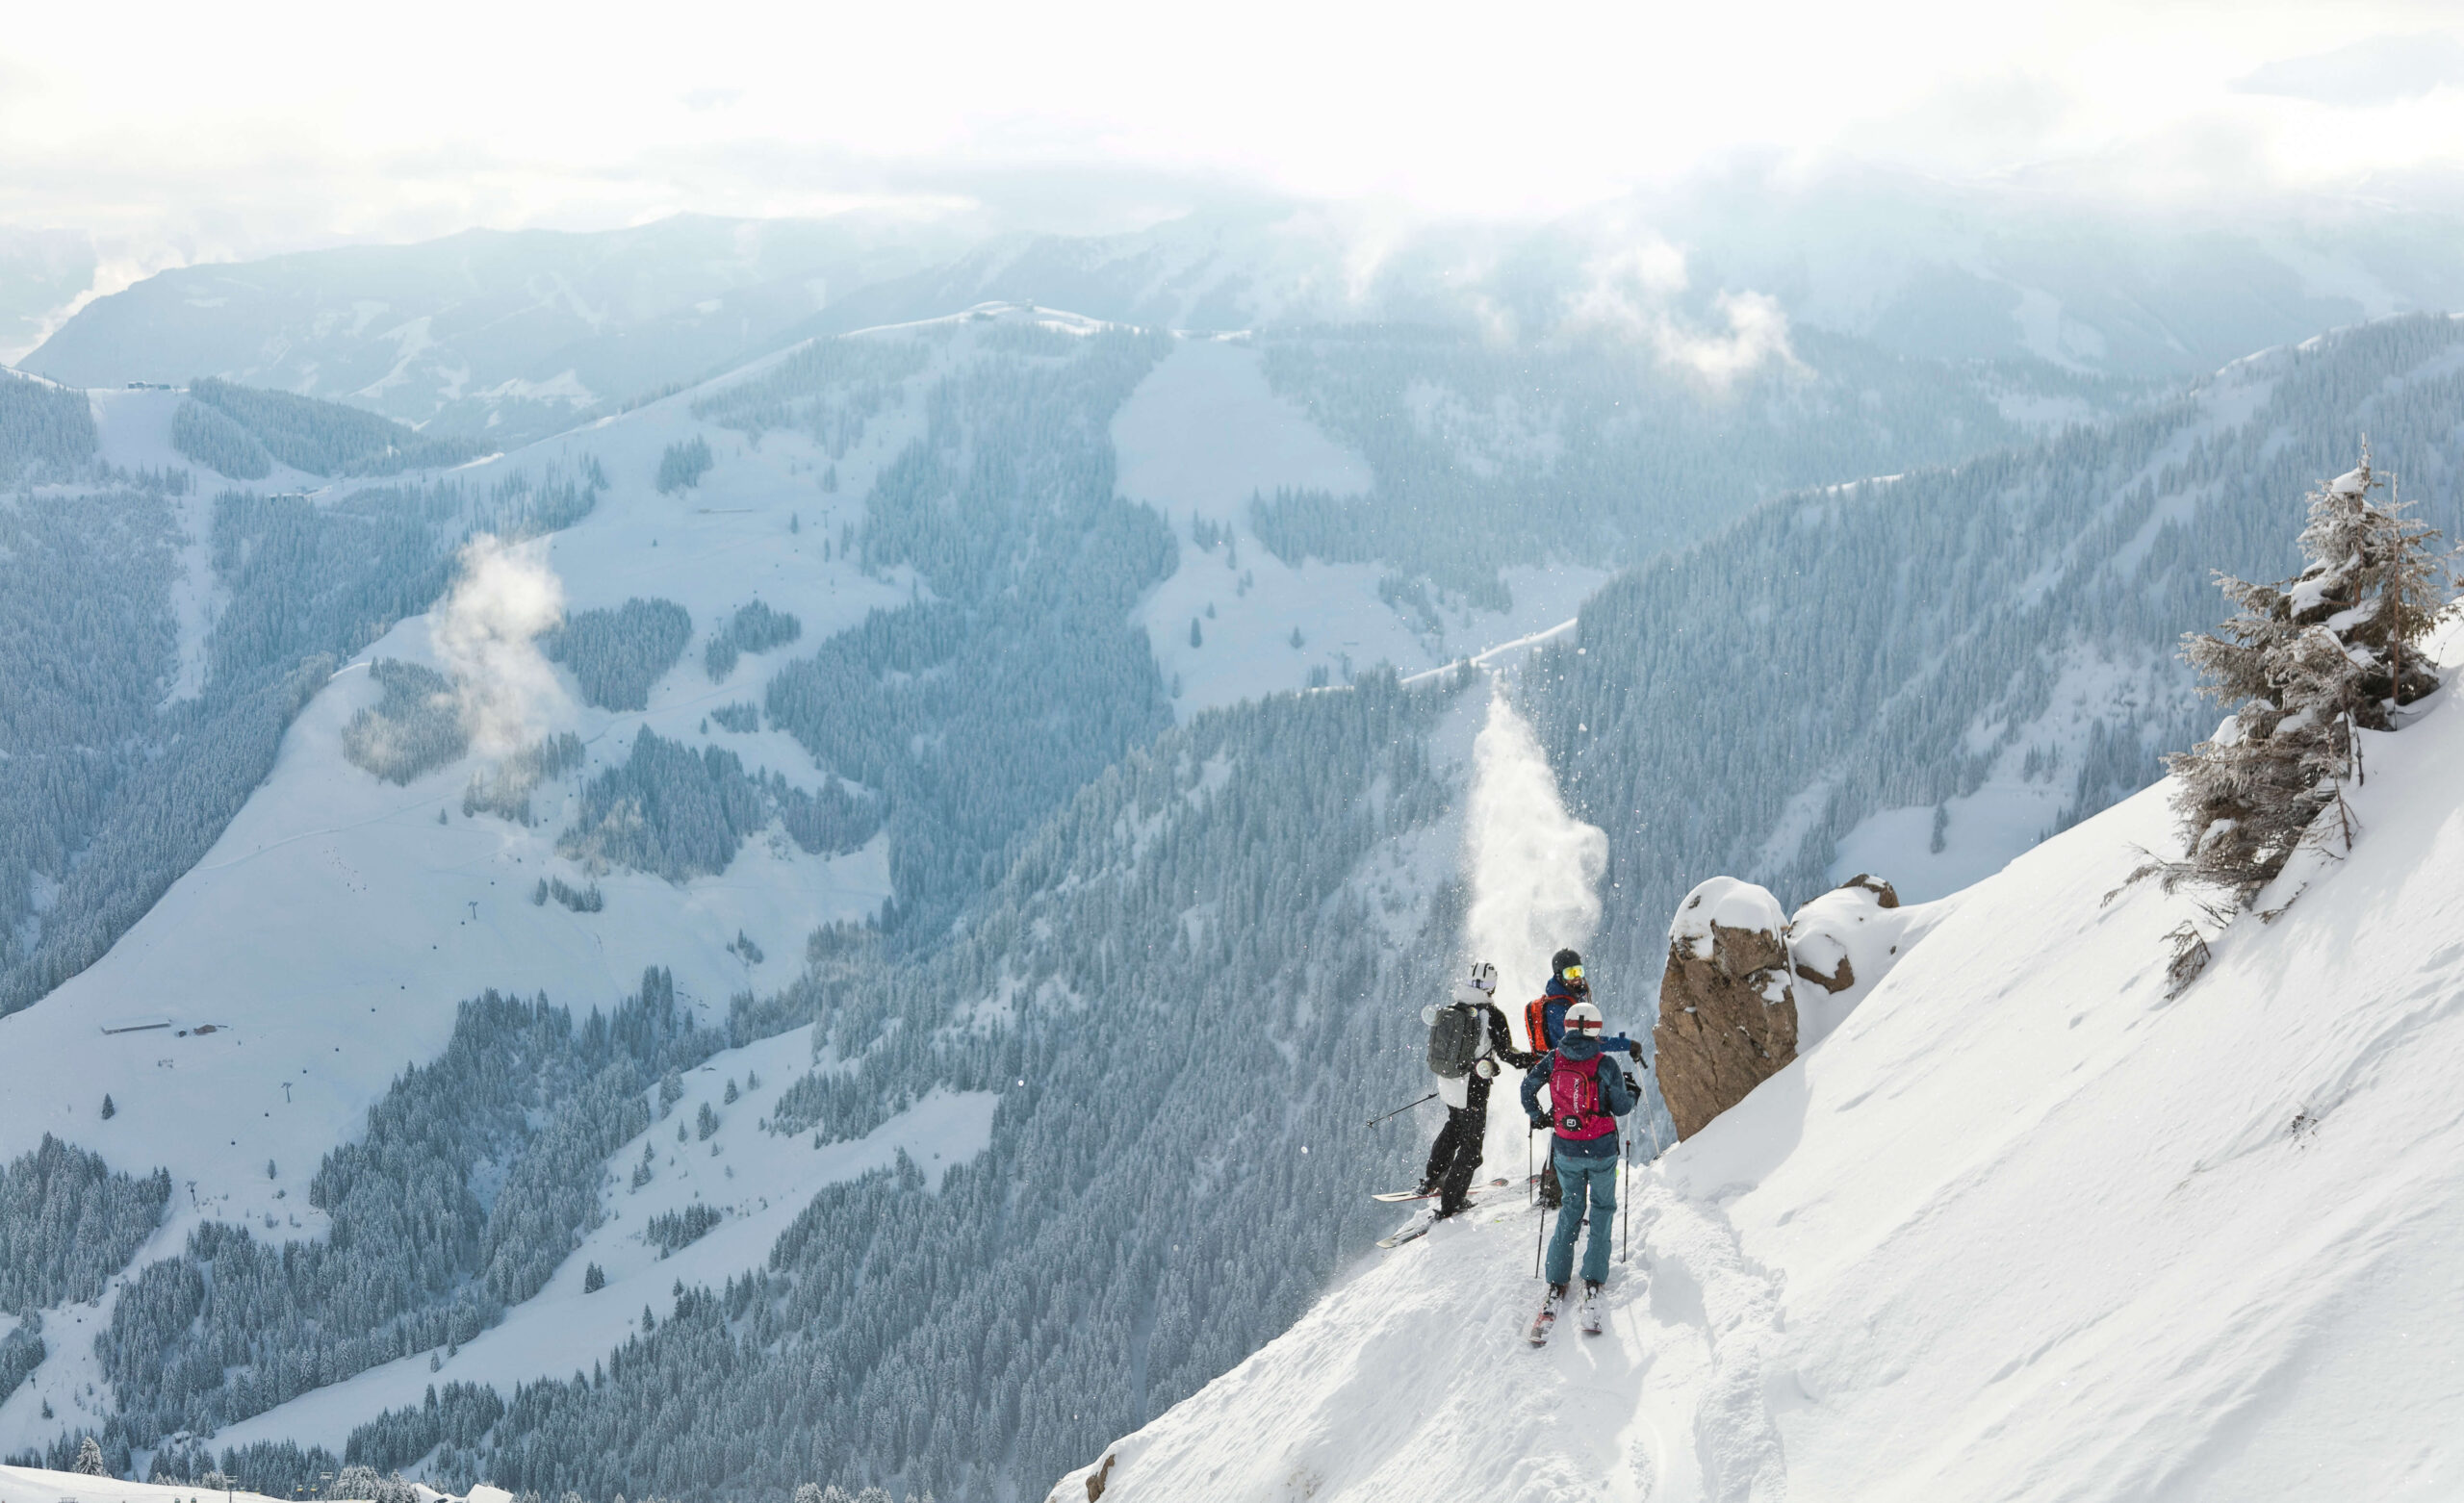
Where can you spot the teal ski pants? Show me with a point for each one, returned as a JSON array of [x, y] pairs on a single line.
[[1592, 1181]]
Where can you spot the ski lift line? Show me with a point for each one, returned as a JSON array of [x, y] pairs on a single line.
[[245, 858], [1481, 658]]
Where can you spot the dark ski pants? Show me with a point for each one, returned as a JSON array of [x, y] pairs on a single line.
[[1592, 1180], [1456, 1157]]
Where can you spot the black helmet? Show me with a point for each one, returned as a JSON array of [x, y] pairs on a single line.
[[1559, 962]]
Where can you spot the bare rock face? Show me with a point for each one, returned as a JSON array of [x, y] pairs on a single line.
[[1727, 1007]]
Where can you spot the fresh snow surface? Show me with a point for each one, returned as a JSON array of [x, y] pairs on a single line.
[[1727, 904], [1200, 437], [36, 1484], [2021, 1228], [1849, 924]]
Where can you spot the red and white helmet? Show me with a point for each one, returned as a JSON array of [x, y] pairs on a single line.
[[1583, 1015]]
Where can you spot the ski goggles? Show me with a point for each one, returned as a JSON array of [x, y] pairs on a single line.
[[1572, 972]]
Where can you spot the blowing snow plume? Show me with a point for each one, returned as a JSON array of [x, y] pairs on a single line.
[[487, 640], [1534, 869]]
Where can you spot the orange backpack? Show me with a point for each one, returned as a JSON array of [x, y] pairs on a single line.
[[1535, 1026]]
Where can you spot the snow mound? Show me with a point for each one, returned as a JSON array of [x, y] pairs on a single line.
[[2021, 1228], [1730, 903], [1845, 942]]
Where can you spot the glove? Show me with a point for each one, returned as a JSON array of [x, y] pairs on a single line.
[[1485, 1069], [1634, 1050], [1539, 1122]]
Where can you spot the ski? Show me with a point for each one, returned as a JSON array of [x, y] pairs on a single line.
[[1417, 1228], [1590, 1314], [1399, 1197], [1545, 1321]]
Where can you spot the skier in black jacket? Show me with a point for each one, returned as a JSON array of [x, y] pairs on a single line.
[[1456, 1157]]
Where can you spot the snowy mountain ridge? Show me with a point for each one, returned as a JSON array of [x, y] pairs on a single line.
[[2021, 1228]]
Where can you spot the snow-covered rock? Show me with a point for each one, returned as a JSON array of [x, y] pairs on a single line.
[[1728, 1005], [1843, 943]]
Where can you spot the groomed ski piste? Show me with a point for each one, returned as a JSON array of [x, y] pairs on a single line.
[[2021, 1228]]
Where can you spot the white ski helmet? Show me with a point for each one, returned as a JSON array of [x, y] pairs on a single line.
[[1484, 976], [1583, 1015]]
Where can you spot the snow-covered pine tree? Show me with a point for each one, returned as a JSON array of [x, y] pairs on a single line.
[[2303, 663], [89, 1458]]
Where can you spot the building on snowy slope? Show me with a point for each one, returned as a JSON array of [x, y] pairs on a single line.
[[2022, 1227]]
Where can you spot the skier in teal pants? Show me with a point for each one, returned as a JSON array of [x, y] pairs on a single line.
[[1587, 1093]]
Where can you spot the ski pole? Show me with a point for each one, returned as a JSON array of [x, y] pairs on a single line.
[[1537, 1222], [1624, 1204], [1399, 1110]]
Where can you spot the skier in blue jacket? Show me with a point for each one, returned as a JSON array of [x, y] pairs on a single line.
[[1544, 1021], [1587, 1092]]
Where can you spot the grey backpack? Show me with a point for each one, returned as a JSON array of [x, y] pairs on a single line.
[[1454, 1041]]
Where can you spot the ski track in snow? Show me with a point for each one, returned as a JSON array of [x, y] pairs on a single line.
[[2020, 1228]]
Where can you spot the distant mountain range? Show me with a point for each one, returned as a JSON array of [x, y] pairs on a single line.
[[513, 335], [507, 335]]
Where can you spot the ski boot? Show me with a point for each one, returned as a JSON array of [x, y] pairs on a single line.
[[1546, 1321]]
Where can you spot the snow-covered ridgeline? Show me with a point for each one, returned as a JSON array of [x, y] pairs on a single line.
[[2020, 1228]]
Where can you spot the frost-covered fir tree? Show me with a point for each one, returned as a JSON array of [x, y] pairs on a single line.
[[89, 1458], [2304, 664]]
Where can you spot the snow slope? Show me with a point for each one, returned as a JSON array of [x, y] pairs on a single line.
[[1196, 440], [761, 1181], [330, 932], [2020, 1228], [36, 1484]]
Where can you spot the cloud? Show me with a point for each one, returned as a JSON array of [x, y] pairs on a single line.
[[1633, 291], [2375, 71], [487, 641]]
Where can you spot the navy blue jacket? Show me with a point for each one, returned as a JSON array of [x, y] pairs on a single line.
[[1554, 1004], [1612, 1091]]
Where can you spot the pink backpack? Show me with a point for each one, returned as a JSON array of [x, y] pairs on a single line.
[[1574, 1099]]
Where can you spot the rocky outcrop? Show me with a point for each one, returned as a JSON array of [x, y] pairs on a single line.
[[1727, 1007], [1817, 945]]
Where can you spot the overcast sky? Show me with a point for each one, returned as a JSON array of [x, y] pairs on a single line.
[[241, 128]]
